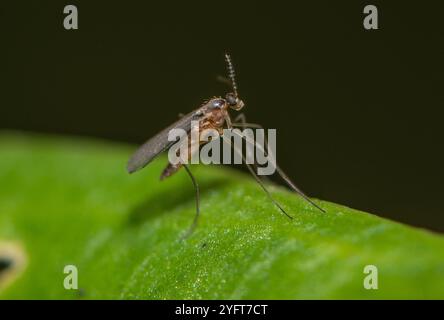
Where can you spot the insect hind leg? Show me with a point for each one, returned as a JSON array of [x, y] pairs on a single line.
[[196, 216]]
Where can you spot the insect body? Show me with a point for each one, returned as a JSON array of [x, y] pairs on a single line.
[[213, 114]]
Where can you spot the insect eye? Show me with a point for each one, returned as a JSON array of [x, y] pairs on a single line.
[[231, 99], [218, 103]]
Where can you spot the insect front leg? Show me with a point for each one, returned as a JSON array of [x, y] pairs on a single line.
[[241, 122], [256, 177], [281, 173], [240, 118]]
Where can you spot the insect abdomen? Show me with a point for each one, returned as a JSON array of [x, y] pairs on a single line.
[[169, 170]]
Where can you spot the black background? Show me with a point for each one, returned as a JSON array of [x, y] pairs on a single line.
[[358, 112]]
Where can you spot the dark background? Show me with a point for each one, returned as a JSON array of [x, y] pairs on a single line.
[[358, 113]]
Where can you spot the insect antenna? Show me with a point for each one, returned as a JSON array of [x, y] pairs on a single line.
[[231, 73]]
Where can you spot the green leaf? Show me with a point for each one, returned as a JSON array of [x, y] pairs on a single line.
[[66, 201]]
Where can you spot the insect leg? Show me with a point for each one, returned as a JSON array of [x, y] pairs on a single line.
[[240, 122], [295, 188], [244, 125], [240, 118], [196, 217], [257, 178], [281, 173]]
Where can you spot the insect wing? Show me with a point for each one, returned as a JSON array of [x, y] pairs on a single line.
[[159, 143]]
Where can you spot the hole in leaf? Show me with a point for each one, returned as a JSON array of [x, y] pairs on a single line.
[[5, 264], [12, 262]]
